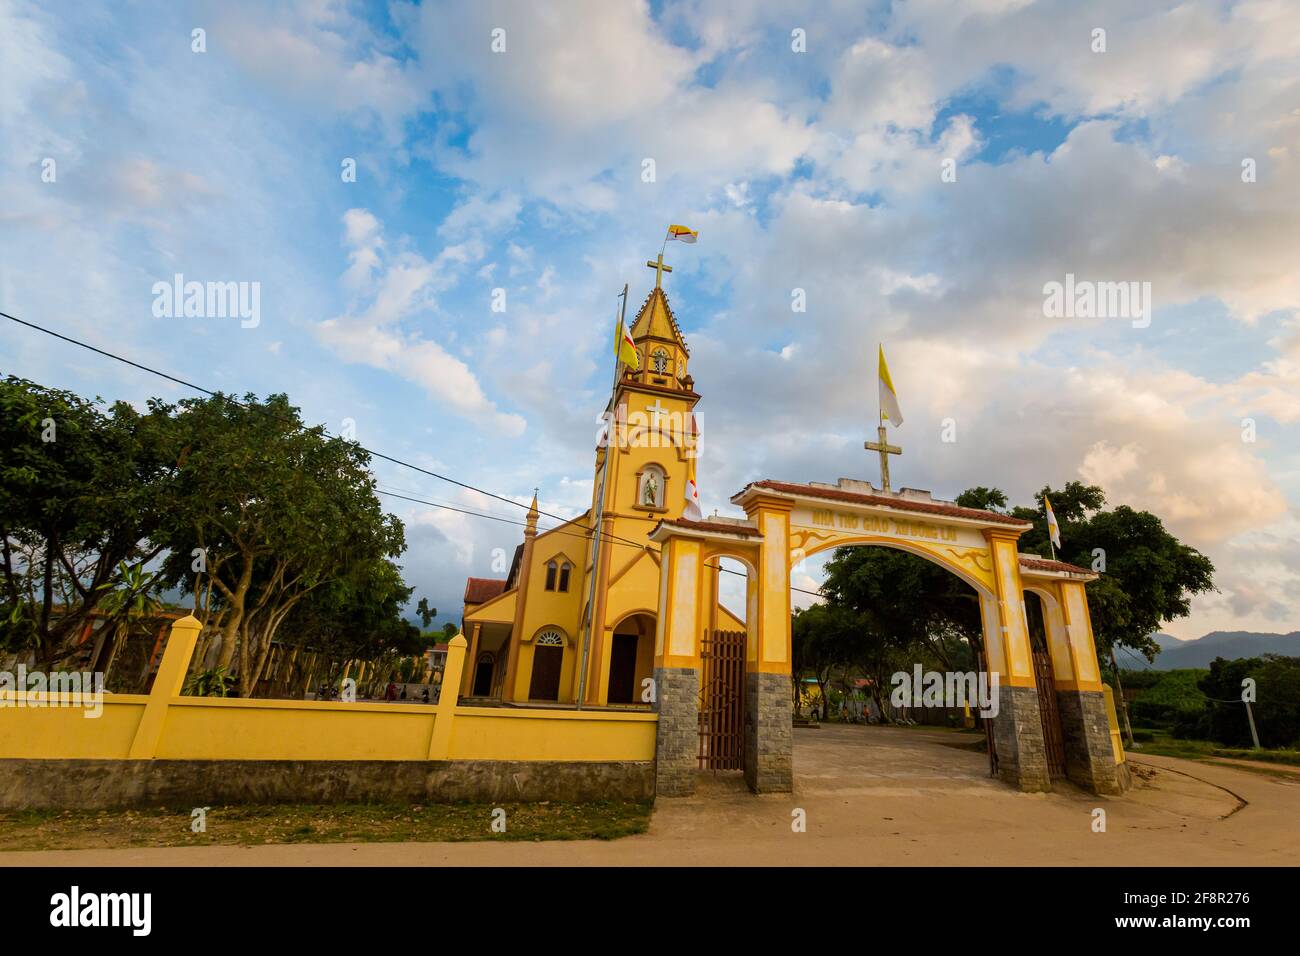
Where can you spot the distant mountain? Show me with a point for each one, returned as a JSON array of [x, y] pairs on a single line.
[[1175, 654]]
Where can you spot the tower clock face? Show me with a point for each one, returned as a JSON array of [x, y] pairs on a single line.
[[659, 361]]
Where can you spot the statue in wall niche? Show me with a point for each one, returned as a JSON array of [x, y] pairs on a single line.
[[651, 495]]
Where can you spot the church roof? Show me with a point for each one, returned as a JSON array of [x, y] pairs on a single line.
[[656, 319], [479, 590]]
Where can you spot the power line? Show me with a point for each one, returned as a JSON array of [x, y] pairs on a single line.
[[235, 401], [396, 461], [560, 530]]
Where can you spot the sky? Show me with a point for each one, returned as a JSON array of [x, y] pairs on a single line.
[[921, 171]]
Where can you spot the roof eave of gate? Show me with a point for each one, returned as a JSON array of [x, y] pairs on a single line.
[[704, 529], [900, 505]]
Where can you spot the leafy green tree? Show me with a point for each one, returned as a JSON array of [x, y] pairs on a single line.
[[426, 613], [127, 600], [1148, 576], [1276, 706], [1173, 697], [916, 602], [986, 499], [356, 617], [263, 512], [79, 495]]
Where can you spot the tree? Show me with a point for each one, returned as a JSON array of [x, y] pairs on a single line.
[[1148, 577], [356, 617], [915, 601], [821, 636], [426, 613], [127, 601], [1276, 705], [985, 499], [264, 511], [79, 496]]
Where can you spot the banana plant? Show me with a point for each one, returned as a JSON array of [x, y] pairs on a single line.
[[126, 602]]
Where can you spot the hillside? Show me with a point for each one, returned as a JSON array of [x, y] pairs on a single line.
[[1228, 644]]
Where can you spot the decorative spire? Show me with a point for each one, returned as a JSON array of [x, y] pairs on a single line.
[[530, 529]]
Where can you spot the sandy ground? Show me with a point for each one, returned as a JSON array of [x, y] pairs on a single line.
[[870, 796]]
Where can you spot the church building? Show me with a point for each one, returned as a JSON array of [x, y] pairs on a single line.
[[528, 633]]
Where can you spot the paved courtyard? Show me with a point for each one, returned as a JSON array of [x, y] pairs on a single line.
[[874, 796]]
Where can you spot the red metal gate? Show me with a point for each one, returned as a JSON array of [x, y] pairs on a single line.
[[1050, 714], [722, 700]]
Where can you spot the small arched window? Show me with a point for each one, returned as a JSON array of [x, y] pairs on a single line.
[[565, 568], [550, 638], [551, 568]]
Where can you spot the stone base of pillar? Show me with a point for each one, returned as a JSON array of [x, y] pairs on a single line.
[[769, 733], [1089, 755], [1018, 735], [677, 737]]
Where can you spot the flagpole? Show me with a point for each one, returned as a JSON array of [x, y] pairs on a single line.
[[599, 513]]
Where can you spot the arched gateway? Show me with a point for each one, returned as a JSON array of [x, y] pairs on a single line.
[[788, 522], [585, 620]]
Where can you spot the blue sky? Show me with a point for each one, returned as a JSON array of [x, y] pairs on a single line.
[[523, 171]]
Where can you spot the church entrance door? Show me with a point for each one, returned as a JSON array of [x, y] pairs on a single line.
[[622, 669], [545, 683]]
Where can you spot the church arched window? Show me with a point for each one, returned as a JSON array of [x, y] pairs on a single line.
[[660, 361], [558, 571]]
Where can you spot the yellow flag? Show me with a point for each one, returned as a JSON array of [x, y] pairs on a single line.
[[625, 348], [1053, 529], [888, 397]]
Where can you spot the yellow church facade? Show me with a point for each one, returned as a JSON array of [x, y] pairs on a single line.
[[527, 632]]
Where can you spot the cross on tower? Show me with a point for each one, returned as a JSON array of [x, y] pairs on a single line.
[[656, 410], [886, 449], [659, 268]]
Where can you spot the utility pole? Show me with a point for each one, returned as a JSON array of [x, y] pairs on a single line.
[[1123, 704]]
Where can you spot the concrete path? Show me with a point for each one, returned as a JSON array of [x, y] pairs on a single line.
[[870, 796]]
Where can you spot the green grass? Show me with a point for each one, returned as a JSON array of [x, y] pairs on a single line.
[[1163, 745], [342, 823]]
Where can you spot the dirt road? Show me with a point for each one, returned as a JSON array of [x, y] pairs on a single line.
[[869, 796]]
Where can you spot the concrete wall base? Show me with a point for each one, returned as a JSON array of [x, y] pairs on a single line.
[[1018, 735], [1089, 755], [677, 737], [769, 733], [111, 784]]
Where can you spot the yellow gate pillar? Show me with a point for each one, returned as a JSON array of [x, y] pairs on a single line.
[[769, 730], [1090, 756], [677, 666], [1018, 726]]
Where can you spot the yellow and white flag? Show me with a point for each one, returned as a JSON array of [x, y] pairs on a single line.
[[1053, 529], [888, 397], [682, 234], [625, 348]]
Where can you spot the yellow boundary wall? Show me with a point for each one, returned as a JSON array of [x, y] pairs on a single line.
[[167, 726]]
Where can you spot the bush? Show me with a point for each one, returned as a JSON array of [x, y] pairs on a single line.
[[1172, 696]]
